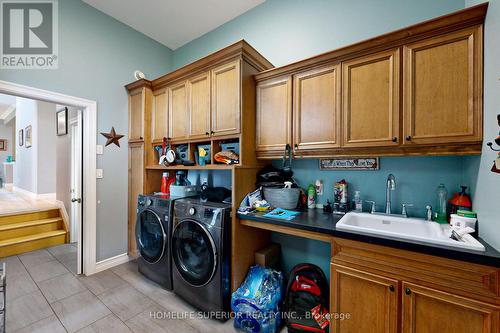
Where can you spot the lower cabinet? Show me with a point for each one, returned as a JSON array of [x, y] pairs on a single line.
[[376, 303], [370, 301], [429, 310]]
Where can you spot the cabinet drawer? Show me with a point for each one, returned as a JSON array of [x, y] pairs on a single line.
[[461, 278]]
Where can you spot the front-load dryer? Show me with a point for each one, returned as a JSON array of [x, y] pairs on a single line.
[[201, 256], [153, 231]]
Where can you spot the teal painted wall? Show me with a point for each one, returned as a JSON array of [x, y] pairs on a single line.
[[289, 30], [97, 57], [487, 184], [416, 180]]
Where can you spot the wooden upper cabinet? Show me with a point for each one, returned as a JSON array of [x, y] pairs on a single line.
[[199, 106], [370, 100], [427, 310], [178, 116], [371, 300], [159, 115], [136, 105], [226, 97], [274, 115], [316, 108], [443, 88]]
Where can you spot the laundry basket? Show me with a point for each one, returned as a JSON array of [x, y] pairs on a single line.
[[286, 198]]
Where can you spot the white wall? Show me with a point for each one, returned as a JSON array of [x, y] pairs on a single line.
[[46, 145], [26, 158], [35, 168], [487, 194]]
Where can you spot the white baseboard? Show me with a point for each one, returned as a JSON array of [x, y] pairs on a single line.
[[111, 262]]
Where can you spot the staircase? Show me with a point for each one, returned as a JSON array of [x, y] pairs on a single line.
[[29, 231]]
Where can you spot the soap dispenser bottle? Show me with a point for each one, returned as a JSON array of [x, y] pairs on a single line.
[[442, 200]]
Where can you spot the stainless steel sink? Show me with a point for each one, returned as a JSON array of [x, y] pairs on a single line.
[[400, 228]]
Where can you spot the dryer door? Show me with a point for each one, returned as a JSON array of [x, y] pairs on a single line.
[[150, 235], [194, 252]]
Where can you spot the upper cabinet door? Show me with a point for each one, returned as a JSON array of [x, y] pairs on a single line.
[[136, 101], [178, 116], [159, 115], [430, 310], [443, 89], [226, 96], [371, 300], [199, 106], [274, 115], [316, 108], [370, 100]]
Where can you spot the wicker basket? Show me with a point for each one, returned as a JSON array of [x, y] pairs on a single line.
[[286, 198]]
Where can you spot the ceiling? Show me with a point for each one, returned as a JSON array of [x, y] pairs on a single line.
[[174, 22]]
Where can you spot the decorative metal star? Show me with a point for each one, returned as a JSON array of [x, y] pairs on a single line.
[[112, 137]]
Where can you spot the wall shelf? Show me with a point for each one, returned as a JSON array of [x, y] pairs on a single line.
[[193, 167]]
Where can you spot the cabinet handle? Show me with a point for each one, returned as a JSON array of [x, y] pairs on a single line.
[[408, 291], [408, 138], [212, 132], [391, 288], [395, 139], [206, 133], [296, 146], [141, 138]]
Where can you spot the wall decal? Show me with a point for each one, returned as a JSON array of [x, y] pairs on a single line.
[[112, 137], [496, 164], [361, 163]]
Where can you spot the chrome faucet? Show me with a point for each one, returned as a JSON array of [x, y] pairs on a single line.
[[391, 186]]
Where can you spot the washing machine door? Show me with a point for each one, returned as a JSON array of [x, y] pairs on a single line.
[[150, 236], [194, 252]]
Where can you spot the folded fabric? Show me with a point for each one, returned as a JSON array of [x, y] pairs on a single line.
[[282, 214]]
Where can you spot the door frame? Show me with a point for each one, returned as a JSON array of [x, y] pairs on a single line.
[[76, 163], [89, 199]]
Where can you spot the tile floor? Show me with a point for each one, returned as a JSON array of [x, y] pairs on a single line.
[[45, 295]]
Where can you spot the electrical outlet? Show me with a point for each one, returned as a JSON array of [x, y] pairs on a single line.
[[98, 173], [99, 150]]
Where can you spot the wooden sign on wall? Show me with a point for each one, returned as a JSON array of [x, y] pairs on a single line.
[[360, 163]]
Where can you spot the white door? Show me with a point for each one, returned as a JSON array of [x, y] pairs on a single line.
[[76, 187]]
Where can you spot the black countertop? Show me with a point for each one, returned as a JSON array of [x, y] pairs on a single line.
[[317, 221]]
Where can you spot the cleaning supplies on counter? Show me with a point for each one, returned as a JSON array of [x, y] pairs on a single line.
[[462, 221], [340, 192], [311, 196], [340, 198], [442, 201], [358, 203], [460, 201]]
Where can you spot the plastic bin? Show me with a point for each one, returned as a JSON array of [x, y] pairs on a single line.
[[256, 303]]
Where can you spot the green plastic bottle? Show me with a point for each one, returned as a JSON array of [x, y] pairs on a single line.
[[311, 196]]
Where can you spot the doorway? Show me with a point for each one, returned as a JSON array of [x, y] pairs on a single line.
[[86, 191]]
